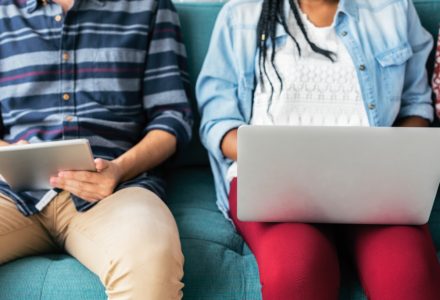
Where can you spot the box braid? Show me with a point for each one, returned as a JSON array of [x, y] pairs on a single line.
[[272, 13]]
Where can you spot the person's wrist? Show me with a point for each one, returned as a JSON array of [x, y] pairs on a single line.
[[120, 170]]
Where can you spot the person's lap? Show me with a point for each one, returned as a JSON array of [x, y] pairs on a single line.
[[294, 259], [130, 240], [19, 235], [392, 261]]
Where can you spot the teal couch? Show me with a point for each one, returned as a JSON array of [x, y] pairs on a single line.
[[219, 265]]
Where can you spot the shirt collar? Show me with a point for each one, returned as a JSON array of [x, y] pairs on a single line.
[[350, 8], [32, 5]]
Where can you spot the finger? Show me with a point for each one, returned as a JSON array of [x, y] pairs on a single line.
[[83, 176], [22, 142], [81, 190], [101, 164], [73, 184]]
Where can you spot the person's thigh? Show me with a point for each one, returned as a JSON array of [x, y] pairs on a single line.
[[130, 240], [395, 262], [295, 260], [19, 235]]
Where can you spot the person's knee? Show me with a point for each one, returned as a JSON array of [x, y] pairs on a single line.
[[159, 250], [147, 268], [305, 263], [146, 250], [162, 260], [403, 275], [404, 266], [289, 280]]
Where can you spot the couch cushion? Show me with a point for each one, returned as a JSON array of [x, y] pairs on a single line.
[[57, 277], [219, 264], [197, 20]]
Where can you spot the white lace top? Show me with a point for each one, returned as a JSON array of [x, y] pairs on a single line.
[[316, 91]]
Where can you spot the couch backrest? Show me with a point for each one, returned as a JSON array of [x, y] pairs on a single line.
[[198, 18]]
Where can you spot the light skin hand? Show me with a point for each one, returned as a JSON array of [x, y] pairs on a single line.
[[151, 151], [90, 186], [22, 142]]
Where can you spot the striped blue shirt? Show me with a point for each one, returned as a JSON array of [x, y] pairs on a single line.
[[107, 70]]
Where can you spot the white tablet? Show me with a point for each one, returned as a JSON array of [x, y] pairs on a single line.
[[29, 167]]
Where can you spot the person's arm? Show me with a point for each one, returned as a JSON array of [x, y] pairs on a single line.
[[151, 151], [412, 122], [156, 147], [229, 144], [217, 92], [166, 107], [416, 101]]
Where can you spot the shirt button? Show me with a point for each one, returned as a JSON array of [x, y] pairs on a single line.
[[69, 118], [344, 33], [66, 97], [65, 56], [58, 18], [371, 106], [362, 67]]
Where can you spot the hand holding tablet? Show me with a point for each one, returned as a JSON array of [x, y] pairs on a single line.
[[29, 166]]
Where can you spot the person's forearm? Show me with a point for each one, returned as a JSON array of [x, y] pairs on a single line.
[[3, 143], [152, 150], [229, 144], [412, 122]]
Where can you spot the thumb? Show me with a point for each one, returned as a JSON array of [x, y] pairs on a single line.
[[101, 164]]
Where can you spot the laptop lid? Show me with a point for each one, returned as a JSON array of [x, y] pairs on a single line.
[[337, 174]]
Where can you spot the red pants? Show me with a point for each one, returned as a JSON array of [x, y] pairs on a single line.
[[299, 261]]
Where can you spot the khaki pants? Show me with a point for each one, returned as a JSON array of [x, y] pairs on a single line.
[[130, 240]]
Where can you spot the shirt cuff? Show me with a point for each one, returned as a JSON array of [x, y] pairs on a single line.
[[173, 125], [217, 133], [425, 111]]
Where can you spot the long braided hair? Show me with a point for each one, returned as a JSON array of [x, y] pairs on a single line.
[[272, 13]]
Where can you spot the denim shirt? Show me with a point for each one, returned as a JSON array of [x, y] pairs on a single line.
[[385, 39]]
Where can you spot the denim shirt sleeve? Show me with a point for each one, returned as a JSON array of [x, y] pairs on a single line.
[[217, 88], [416, 94]]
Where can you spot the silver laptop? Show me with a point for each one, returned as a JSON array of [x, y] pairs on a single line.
[[337, 174]]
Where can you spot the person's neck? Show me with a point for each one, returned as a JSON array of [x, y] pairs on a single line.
[[320, 12], [318, 2], [65, 4]]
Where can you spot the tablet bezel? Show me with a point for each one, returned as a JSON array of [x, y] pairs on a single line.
[[29, 166]]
